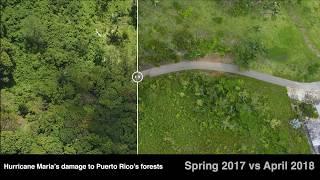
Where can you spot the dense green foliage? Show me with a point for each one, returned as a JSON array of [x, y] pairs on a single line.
[[247, 51], [64, 74], [279, 37], [303, 110], [198, 113]]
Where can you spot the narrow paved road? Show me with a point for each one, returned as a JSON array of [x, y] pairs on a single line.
[[229, 68]]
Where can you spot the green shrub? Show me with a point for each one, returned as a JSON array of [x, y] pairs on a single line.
[[246, 51]]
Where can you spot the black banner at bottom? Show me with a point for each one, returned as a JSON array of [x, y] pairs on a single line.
[[158, 165]]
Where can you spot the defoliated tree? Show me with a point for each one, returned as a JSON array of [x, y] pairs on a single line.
[[34, 34]]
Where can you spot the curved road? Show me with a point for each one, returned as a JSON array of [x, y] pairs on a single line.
[[229, 68]]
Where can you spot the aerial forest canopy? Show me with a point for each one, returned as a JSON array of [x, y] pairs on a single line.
[[65, 76]]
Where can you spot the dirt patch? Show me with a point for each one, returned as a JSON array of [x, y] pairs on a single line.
[[215, 73], [217, 59]]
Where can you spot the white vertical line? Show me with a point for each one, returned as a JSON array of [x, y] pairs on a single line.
[[137, 35], [137, 54], [137, 118]]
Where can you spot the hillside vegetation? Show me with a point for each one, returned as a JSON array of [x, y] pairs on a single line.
[[279, 37], [197, 113]]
